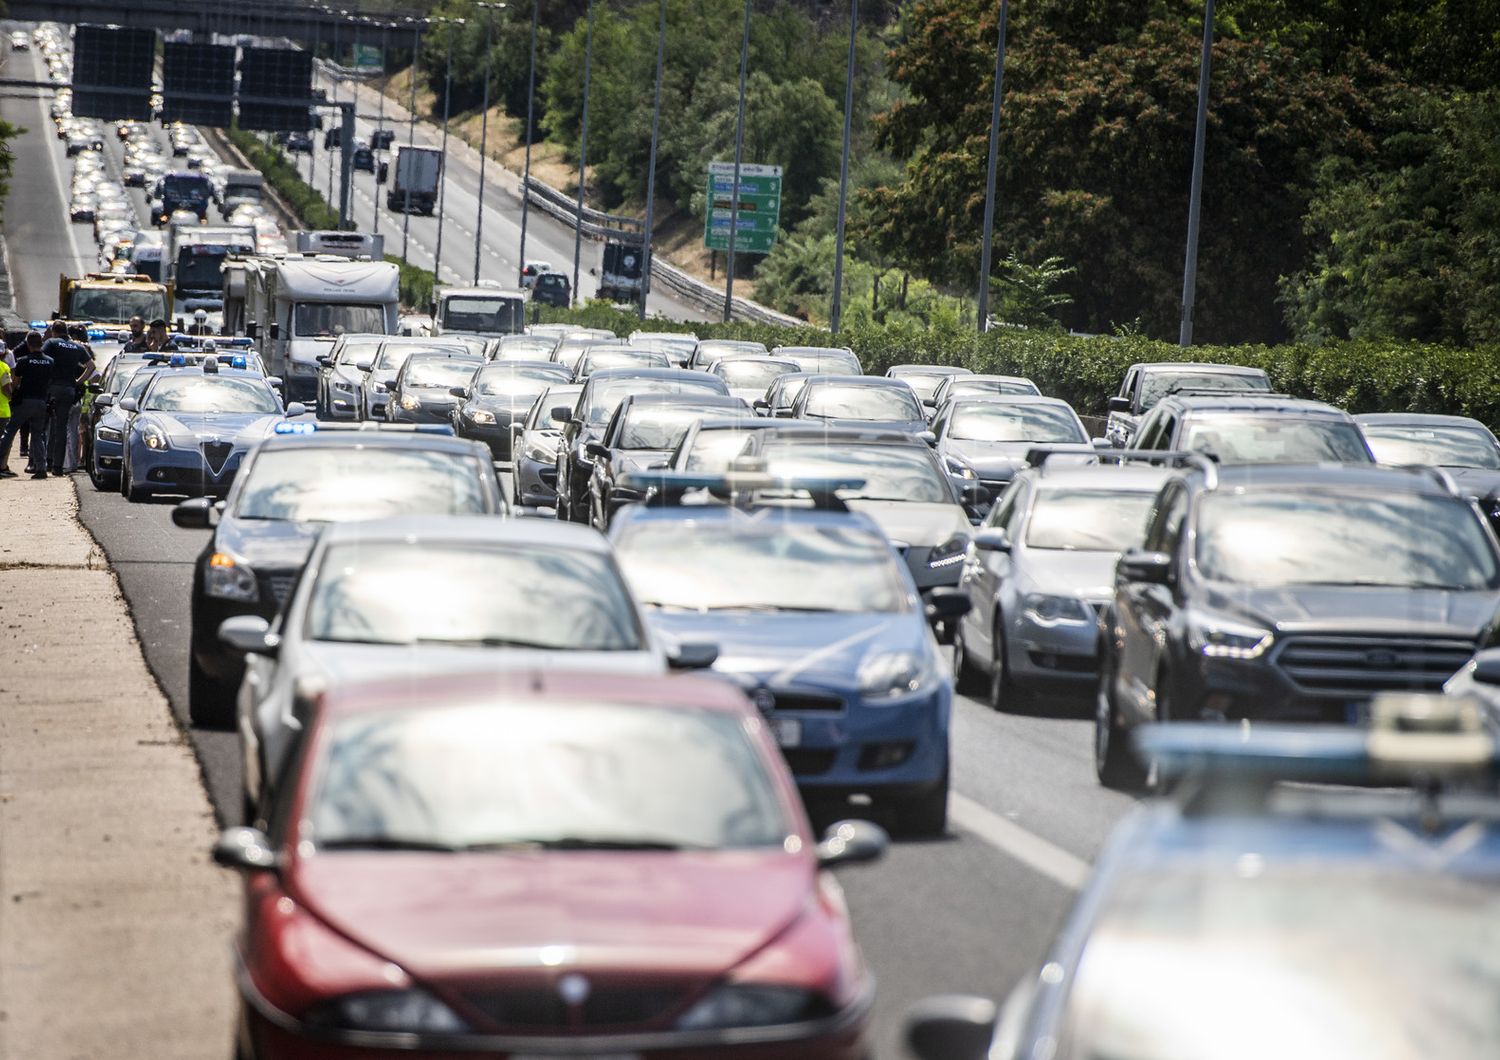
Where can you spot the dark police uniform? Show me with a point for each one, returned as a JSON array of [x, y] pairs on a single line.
[[69, 359], [28, 405]]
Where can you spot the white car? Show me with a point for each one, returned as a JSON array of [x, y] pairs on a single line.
[[532, 270]]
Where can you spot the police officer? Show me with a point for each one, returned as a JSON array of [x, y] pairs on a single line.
[[200, 323], [137, 343], [72, 366], [33, 379]]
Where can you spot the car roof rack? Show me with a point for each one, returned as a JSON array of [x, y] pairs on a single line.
[[743, 485]]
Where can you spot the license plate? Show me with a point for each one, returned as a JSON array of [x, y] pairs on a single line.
[[788, 731]]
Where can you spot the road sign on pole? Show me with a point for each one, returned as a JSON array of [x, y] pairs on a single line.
[[760, 207]]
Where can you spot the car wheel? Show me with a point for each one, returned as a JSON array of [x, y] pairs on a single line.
[[210, 702], [926, 815], [967, 680], [97, 478], [1115, 762], [1004, 695]]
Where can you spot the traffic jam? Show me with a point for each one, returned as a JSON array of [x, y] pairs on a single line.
[[565, 665]]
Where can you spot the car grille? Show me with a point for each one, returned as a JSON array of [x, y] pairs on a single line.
[[605, 1006], [1364, 665], [280, 586], [216, 455], [805, 701], [809, 762]]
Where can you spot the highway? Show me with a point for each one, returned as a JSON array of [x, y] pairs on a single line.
[[971, 912]]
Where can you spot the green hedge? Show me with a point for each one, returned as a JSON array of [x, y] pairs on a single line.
[[1361, 376], [281, 174], [416, 284]]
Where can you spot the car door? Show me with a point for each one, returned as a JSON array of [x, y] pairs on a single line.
[[601, 482], [1119, 425], [1143, 611], [984, 570]]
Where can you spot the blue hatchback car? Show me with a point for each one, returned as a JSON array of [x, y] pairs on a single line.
[[190, 427], [816, 618]]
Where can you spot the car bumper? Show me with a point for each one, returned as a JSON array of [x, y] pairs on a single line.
[[532, 476], [1258, 690], [107, 454], [182, 471], [300, 383], [496, 436], [342, 405], [1066, 653]]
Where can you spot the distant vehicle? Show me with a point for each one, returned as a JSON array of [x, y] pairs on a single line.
[[364, 158], [19, 42], [486, 311], [419, 172], [242, 187], [299, 143], [622, 267], [109, 299], [1146, 384], [333, 137], [552, 288], [924, 378], [532, 270], [1251, 428], [184, 191], [381, 139]]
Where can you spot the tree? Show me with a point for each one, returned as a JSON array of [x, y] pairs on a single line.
[[1027, 294]]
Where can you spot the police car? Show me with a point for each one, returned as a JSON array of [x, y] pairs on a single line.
[[814, 616], [190, 427]]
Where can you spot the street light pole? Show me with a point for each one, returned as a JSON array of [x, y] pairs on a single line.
[[989, 187], [837, 311], [739, 153], [384, 84], [661, 50], [1195, 192], [526, 177], [437, 256], [411, 134], [333, 60], [484, 133], [583, 148]]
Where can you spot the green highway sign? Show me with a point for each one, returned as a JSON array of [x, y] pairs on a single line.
[[759, 213]]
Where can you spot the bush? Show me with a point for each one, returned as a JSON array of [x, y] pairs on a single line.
[[416, 284], [311, 209], [1361, 376]]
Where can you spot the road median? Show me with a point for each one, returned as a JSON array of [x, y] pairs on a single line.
[[114, 924]]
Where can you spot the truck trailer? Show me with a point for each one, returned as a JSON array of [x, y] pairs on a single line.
[[418, 175]]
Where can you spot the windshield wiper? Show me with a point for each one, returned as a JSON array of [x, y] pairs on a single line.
[[580, 842], [487, 642], [386, 842]]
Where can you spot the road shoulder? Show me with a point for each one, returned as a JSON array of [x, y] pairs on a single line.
[[115, 926]]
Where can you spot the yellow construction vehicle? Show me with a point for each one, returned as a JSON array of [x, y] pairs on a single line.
[[106, 298]]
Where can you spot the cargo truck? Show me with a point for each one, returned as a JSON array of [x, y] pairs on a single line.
[[482, 310], [242, 187], [194, 258], [418, 174], [621, 268]]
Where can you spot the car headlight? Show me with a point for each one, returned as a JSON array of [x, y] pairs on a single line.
[[229, 579], [481, 416], [959, 469], [342, 385], [749, 1005], [154, 436], [1047, 610], [949, 552], [883, 675], [109, 434], [540, 453], [409, 403], [388, 1010], [1219, 638]]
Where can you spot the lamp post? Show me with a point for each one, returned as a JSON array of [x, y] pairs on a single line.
[[484, 132], [526, 177], [837, 310], [583, 147], [989, 186], [739, 153], [1195, 191], [661, 50], [333, 60], [380, 121], [437, 255], [411, 131]]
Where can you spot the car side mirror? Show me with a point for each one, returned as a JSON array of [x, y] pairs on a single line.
[[129, 405], [104, 401], [537, 499], [248, 849], [250, 634], [930, 402], [951, 1027], [459, 391], [760, 405], [364, 366], [852, 842], [275, 330], [325, 360], [947, 604], [992, 540], [1101, 443], [975, 494], [692, 655], [1487, 667], [386, 387], [597, 450], [561, 414], [928, 437], [195, 513], [1139, 565], [1119, 404]]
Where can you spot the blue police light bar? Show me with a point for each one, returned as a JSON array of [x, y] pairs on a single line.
[[239, 360], [294, 427], [178, 360], [97, 334], [39, 325]]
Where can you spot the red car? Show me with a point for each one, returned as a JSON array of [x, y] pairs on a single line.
[[528, 865]]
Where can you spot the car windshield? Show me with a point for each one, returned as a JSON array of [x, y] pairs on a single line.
[[598, 360], [980, 387], [116, 306], [197, 393], [762, 565], [504, 380], [831, 361], [523, 348], [488, 314], [1304, 538], [1276, 439], [925, 384], [563, 775], [201, 268], [874, 403], [707, 352], [1000, 422], [714, 449], [891, 472], [1158, 385], [335, 484], [125, 370], [789, 393], [356, 350], [1439, 446], [394, 356], [750, 373], [1303, 962], [525, 596], [324, 320], [604, 398], [1088, 520], [660, 426], [441, 372]]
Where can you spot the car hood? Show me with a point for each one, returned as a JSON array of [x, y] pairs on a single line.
[[190, 430], [991, 460], [1058, 572], [908, 426], [625, 461], [452, 916], [1360, 609], [913, 523], [349, 662], [268, 544], [758, 647]]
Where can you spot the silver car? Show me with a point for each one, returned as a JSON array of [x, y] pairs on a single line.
[[1040, 570], [405, 597], [534, 444]]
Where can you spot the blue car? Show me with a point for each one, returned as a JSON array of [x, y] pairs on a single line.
[[190, 427], [816, 618]]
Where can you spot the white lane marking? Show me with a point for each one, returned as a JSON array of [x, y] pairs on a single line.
[[1010, 838]]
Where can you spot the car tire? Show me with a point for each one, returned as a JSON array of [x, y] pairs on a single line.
[[1004, 695], [101, 480], [1115, 762], [210, 702], [968, 680], [129, 490], [926, 815]]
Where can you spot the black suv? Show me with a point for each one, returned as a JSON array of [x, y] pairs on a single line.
[[1254, 429], [552, 288], [1291, 593]]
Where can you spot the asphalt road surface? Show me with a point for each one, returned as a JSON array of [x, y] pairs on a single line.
[[971, 912]]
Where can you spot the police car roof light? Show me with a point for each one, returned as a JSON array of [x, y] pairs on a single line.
[[177, 360], [294, 427], [239, 360]]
